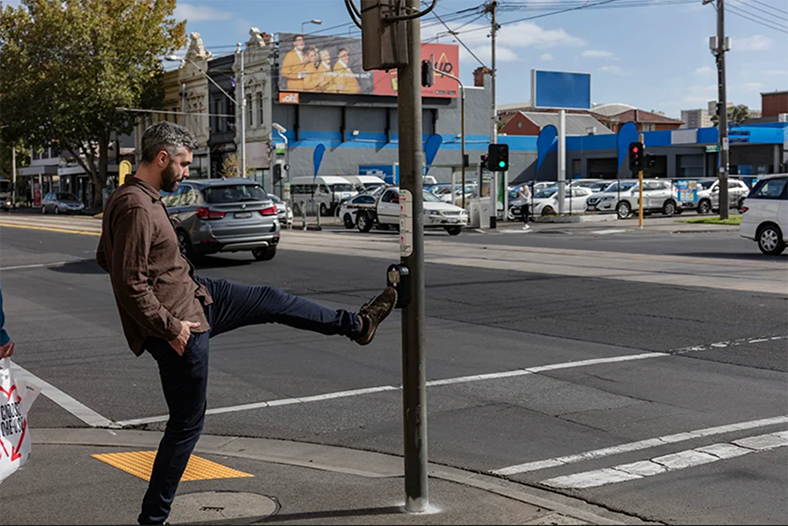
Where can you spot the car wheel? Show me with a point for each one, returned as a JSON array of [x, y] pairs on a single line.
[[770, 240], [185, 244], [43, 209], [264, 254], [363, 222], [548, 211], [669, 208], [623, 210], [348, 221], [323, 209], [454, 230], [704, 207], [57, 210], [510, 214], [740, 206]]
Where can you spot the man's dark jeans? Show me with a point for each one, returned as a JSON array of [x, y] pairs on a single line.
[[185, 378]]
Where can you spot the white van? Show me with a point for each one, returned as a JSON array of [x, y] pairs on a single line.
[[365, 182], [765, 214], [327, 191]]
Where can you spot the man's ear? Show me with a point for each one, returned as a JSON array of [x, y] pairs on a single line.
[[161, 158]]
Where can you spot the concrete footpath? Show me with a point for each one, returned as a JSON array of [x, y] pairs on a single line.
[[236, 480]]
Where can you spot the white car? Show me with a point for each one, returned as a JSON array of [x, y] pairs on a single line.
[[437, 214], [545, 202], [765, 214], [283, 210], [709, 195], [623, 197], [347, 212]]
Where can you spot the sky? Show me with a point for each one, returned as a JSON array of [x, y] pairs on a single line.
[[652, 54]]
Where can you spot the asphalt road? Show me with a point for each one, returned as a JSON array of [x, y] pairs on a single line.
[[669, 360]]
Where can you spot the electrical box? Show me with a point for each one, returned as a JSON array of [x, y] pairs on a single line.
[[384, 44]]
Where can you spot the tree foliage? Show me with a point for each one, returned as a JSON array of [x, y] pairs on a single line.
[[65, 66], [736, 114]]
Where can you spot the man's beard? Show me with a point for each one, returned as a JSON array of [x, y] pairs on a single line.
[[169, 178]]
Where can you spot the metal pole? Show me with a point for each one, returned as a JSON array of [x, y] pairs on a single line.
[[462, 118], [13, 175], [183, 102], [494, 134], [723, 110], [561, 160], [640, 187], [414, 381], [243, 115]]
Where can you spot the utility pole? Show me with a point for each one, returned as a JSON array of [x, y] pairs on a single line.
[[722, 112], [490, 8], [242, 106], [414, 363]]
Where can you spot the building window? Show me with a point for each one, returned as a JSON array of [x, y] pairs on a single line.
[[217, 120], [249, 111], [260, 109], [231, 120]]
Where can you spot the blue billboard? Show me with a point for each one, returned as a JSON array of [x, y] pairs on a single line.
[[560, 89]]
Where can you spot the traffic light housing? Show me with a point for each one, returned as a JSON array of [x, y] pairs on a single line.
[[498, 157], [637, 156], [651, 161], [427, 74], [277, 172]]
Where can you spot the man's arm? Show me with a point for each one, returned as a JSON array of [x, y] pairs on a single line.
[[101, 257], [6, 345], [133, 235]]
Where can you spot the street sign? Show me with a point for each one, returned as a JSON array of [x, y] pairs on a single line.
[[712, 148], [560, 90]]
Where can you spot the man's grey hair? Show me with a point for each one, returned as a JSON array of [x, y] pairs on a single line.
[[165, 136]]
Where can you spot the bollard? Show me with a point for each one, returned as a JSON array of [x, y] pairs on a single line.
[[303, 216]]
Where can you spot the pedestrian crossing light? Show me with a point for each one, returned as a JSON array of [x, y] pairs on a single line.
[[498, 157], [636, 157], [427, 74]]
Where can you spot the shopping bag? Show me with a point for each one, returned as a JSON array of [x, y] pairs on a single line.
[[16, 397]]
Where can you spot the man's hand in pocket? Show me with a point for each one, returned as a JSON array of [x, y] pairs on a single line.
[[179, 343]]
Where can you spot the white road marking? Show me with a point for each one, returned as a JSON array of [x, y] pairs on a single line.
[[37, 265], [605, 232], [433, 383], [65, 401], [667, 463], [639, 445]]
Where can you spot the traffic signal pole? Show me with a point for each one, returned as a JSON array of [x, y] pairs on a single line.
[[414, 362], [722, 122], [640, 186]]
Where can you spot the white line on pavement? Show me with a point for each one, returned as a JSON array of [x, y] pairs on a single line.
[[641, 444], [673, 462], [37, 265], [433, 383], [605, 232], [65, 401]]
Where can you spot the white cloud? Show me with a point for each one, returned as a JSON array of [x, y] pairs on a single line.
[[193, 13], [776, 72], [615, 70], [520, 35], [704, 70], [753, 43], [547, 57], [596, 53], [484, 53], [700, 94]]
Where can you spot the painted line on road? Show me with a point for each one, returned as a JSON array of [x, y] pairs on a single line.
[[37, 265], [48, 229], [667, 463], [433, 383], [606, 232], [70, 404], [639, 445]]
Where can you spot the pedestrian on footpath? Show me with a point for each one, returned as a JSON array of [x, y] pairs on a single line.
[[168, 311], [6, 344]]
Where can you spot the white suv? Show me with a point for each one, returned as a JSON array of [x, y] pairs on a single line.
[[709, 195], [623, 197], [765, 214]]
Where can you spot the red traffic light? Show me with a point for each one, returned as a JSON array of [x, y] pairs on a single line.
[[635, 149]]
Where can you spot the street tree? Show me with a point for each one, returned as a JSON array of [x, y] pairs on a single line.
[[736, 115], [65, 66]]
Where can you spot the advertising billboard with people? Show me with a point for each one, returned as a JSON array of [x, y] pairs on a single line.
[[332, 64]]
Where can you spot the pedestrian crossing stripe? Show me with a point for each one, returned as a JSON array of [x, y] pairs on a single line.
[[140, 464]]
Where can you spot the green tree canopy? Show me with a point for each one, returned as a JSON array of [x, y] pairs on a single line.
[[65, 66]]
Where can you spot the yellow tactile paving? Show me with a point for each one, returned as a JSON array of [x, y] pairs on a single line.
[[140, 464]]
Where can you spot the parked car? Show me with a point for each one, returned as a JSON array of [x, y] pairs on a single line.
[[347, 212], [365, 182], [61, 203], [283, 211], [709, 195], [224, 215], [385, 213], [765, 214], [545, 202], [623, 197]]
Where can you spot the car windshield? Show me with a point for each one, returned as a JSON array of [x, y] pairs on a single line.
[[547, 192], [430, 197], [342, 187], [64, 196], [705, 185], [234, 193]]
